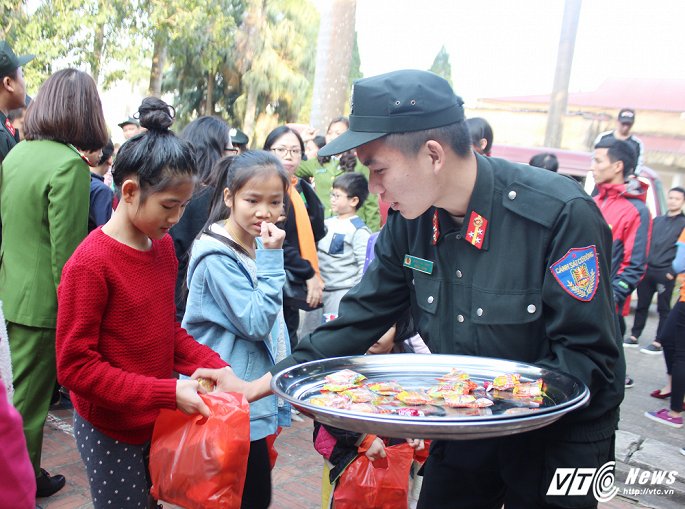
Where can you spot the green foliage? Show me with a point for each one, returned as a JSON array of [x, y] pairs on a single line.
[[214, 51], [441, 65]]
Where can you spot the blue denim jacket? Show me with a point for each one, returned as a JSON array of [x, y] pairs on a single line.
[[238, 317]]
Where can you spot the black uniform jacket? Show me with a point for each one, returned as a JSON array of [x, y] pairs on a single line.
[[504, 300]]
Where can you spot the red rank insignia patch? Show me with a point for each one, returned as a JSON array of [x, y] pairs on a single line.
[[436, 228], [9, 126], [477, 227]]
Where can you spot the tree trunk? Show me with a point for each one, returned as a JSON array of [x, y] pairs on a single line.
[[333, 60], [209, 109], [98, 48], [157, 68], [250, 112]]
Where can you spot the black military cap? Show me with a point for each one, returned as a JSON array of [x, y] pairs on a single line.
[[129, 120], [397, 102], [238, 137], [9, 61]]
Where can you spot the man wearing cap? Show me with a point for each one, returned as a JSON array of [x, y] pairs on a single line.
[[493, 259], [239, 140], [130, 127], [624, 123], [622, 202], [12, 94]]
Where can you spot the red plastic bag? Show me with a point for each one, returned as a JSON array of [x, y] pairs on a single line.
[[270, 443], [200, 463], [380, 484]]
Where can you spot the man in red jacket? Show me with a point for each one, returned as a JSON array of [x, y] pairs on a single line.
[[621, 198]]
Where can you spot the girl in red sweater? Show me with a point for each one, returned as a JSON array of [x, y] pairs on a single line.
[[118, 341]]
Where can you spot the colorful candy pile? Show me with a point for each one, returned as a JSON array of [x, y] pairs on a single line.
[[349, 390]]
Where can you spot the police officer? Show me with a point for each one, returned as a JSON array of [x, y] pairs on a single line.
[[495, 259], [12, 94]]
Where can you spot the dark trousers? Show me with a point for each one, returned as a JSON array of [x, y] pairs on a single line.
[[257, 490], [654, 282], [673, 342], [515, 471]]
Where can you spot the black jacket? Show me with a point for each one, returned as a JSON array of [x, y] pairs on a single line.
[[506, 300], [665, 232], [292, 259]]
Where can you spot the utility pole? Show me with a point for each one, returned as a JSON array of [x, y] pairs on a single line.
[[562, 76]]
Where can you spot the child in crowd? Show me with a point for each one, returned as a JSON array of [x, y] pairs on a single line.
[[118, 343], [101, 195], [342, 252], [340, 447], [235, 286]]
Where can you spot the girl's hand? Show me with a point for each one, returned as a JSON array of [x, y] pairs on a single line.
[[314, 290], [187, 399], [226, 381], [416, 443], [272, 236], [376, 450]]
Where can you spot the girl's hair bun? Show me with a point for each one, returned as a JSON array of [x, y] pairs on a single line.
[[156, 115]]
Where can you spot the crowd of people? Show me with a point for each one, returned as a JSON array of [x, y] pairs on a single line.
[[174, 257]]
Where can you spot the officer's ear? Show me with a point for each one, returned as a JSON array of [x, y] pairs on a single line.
[[436, 153]]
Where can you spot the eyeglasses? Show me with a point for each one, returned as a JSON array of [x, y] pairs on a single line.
[[338, 196], [282, 151]]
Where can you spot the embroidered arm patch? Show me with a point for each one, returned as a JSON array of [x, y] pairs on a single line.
[[578, 273]]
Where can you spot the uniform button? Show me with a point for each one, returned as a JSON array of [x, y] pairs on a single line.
[[531, 308], [512, 195], [459, 274], [479, 311], [458, 236], [460, 318], [430, 299], [413, 282]]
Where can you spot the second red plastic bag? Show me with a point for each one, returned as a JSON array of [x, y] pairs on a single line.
[[376, 484]]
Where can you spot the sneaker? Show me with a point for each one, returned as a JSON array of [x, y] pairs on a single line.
[[652, 349], [629, 382], [663, 417], [295, 415], [47, 484], [631, 342]]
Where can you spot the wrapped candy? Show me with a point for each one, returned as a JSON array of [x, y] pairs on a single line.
[[359, 394], [330, 400], [345, 376], [385, 388], [504, 382], [529, 389], [413, 398]]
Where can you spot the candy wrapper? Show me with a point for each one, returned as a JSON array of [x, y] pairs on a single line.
[[414, 398]]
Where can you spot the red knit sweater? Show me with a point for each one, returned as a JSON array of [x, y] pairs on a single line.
[[118, 341]]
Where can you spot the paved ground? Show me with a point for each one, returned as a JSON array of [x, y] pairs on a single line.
[[642, 445]]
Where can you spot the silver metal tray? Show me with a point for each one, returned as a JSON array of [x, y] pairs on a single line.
[[565, 393]]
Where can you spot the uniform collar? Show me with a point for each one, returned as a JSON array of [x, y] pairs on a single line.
[[479, 205], [3, 121]]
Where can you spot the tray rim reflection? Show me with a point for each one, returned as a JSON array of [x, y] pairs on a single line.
[[290, 382]]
